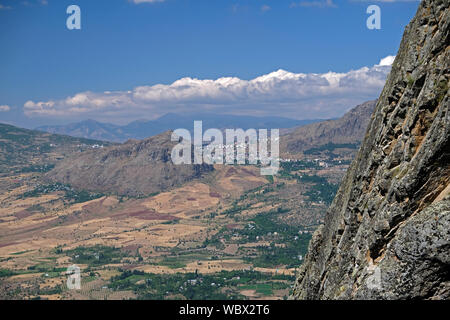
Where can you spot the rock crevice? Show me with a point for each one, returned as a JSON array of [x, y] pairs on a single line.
[[386, 235]]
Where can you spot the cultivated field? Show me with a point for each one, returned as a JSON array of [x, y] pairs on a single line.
[[233, 224]]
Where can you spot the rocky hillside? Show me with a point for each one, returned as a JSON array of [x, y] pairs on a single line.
[[135, 168], [387, 233], [346, 130], [23, 150]]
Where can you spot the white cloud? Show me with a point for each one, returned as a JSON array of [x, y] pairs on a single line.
[[281, 93], [3, 7], [5, 108], [388, 61]]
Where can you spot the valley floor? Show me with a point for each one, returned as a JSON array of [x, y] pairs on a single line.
[[232, 234]]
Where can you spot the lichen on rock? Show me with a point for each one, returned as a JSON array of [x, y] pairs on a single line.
[[386, 234]]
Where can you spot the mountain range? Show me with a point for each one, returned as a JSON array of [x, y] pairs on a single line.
[[141, 167], [143, 129]]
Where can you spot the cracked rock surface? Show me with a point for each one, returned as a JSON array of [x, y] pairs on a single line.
[[387, 232]]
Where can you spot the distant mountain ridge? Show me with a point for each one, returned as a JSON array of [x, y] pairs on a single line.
[[86, 129], [23, 149], [349, 129], [143, 129]]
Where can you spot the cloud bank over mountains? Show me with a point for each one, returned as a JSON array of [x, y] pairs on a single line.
[[280, 93]]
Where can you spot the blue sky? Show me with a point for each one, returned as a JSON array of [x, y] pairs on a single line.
[[123, 63]]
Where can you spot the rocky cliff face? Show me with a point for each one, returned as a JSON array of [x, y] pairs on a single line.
[[387, 233], [135, 168]]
